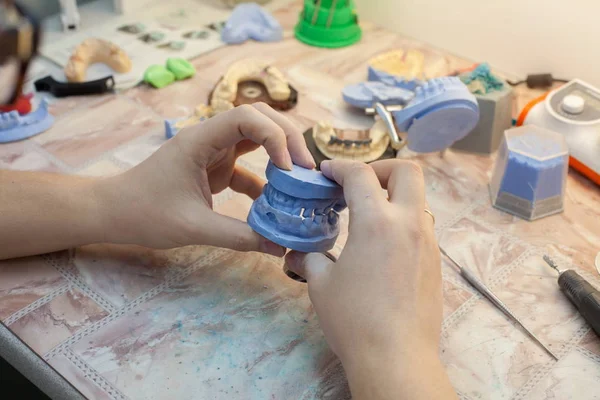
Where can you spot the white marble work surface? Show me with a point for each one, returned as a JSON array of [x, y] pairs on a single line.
[[122, 322]]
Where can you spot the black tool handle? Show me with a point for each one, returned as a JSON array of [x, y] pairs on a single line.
[[583, 295], [64, 89]]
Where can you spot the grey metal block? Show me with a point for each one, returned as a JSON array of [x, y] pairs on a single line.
[[495, 116]]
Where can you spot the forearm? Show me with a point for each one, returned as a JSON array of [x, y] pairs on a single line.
[[42, 212], [415, 376]]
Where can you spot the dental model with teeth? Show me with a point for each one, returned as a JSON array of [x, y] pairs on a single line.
[[249, 81], [224, 95], [94, 50], [298, 209], [15, 127], [365, 146], [379, 305]]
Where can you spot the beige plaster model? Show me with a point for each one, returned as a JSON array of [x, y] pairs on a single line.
[[365, 145], [92, 51], [408, 65], [226, 91]]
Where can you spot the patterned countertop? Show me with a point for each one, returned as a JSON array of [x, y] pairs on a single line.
[[123, 322]]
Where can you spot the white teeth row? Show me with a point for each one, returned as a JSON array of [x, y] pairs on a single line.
[[314, 213], [9, 119]]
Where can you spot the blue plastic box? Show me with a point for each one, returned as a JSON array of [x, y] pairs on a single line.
[[530, 174]]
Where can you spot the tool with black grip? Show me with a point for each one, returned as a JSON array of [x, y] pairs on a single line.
[[64, 89], [583, 295]]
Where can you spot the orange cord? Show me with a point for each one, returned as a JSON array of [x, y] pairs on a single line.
[[584, 170], [528, 108]]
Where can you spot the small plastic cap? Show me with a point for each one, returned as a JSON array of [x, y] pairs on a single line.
[[573, 104]]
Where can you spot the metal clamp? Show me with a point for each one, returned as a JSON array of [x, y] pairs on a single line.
[[386, 116]]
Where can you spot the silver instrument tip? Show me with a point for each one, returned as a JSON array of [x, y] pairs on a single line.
[[550, 262]]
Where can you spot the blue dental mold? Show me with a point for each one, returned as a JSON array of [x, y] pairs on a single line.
[[15, 127], [442, 112], [298, 209], [251, 21], [365, 94]]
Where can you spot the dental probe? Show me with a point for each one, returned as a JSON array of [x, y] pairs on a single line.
[[484, 290]]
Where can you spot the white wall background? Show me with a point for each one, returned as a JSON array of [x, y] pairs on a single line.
[[514, 36]]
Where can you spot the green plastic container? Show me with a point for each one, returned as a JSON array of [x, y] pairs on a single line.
[[328, 24]]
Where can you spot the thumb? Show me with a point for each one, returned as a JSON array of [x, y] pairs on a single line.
[[222, 231], [311, 266]]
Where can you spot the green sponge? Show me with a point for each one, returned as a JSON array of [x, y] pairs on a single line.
[[181, 68], [158, 76]]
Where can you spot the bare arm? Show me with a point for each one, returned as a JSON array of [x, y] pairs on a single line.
[[42, 212], [164, 202], [414, 375]]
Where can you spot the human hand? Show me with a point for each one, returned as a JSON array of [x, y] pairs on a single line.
[[166, 201], [380, 304]]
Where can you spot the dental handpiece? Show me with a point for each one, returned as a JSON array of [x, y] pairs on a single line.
[[579, 291]]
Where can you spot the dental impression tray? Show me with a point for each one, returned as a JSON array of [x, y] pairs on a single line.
[[15, 127], [298, 209]]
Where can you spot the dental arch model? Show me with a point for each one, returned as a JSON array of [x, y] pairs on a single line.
[[243, 83], [440, 112], [15, 127], [366, 145], [298, 209], [94, 50]]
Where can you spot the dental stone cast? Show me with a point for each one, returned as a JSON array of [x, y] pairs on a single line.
[[15, 127], [298, 209]]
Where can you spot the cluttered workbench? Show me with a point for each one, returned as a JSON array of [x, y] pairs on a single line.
[[124, 322]]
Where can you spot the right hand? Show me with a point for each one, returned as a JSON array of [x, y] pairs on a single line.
[[380, 304]]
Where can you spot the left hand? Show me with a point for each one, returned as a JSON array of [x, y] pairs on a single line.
[[166, 201]]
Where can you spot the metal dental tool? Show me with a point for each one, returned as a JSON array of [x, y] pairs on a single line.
[[484, 290], [385, 114], [372, 111], [583, 295]]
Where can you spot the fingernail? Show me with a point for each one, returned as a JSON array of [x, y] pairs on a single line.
[[287, 160], [272, 248], [310, 158], [326, 168]]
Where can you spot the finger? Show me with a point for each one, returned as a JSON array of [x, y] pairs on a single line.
[[244, 147], [295, 140], [234, 234], [244, 122], [361, 186], [244, 181], [403, 181], [431, 216], [310, 266]]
